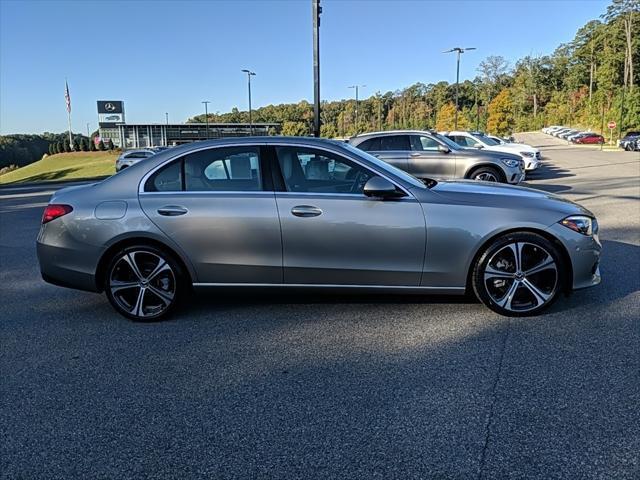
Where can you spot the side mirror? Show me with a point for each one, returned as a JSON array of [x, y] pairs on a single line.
[[382, 188], [478, 145], [443, 149]]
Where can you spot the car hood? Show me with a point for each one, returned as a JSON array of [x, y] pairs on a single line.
[[496, 194], [520, 147]]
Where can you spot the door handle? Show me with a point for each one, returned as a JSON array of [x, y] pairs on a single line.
[[415, 154], [172, 210], [306, 211]]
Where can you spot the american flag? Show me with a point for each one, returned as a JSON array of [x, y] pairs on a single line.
[[67, 97]]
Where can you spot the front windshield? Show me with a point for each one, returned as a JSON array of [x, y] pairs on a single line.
[[384, 165], [489, 141]]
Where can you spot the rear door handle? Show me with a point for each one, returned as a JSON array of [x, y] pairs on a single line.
[[306, 211], [414, 154], [172, 210]]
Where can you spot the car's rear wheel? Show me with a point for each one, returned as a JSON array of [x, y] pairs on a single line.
[[519, 274], [486, 174], [144, 283]]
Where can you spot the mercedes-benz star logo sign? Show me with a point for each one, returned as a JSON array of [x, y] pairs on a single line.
[[109, 107]]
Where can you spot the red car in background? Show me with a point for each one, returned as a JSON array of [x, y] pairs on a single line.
[[588, 139]]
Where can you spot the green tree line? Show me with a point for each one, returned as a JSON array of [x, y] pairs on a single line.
[[583, 83]]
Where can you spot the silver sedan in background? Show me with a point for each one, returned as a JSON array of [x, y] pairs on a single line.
[[279, 212]]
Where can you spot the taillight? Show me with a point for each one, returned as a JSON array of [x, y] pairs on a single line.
[[53, 211]]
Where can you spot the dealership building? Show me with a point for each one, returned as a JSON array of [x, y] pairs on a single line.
[[112, 126]]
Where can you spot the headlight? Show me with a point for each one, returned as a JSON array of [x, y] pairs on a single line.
[[581, 224], [527, 154], [510, 162]]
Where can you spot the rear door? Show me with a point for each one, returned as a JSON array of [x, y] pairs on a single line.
[[393, 149], [428, 161], [218, 205]]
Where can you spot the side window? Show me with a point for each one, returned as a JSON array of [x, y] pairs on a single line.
[[223, 170], [422, 143], [371, 145], [316, 171], [395, 142], [460, 140], [167, 179]]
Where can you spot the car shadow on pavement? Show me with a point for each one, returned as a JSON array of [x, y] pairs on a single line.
[[549, 172]]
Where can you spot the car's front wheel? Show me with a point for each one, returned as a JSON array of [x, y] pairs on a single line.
[[486, 174], [143, 283], [519, 274]]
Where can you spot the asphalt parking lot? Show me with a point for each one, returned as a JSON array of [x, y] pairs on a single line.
[[289, 386]]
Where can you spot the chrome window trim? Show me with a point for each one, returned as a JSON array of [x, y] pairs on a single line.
[[146, 176]]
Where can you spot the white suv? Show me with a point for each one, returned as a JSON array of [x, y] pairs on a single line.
[[530, 155]]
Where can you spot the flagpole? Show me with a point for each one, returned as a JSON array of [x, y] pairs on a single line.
[[68, 102]]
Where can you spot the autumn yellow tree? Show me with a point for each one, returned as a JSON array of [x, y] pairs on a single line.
[[445, 119], [500, 109]]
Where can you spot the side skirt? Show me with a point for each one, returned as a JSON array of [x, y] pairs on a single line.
[[329, 287]]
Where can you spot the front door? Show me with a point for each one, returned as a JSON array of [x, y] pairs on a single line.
[[427, 160], [215, 205], [333, 234]]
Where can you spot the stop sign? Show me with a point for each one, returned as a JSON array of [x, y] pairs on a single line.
[[611, 125]]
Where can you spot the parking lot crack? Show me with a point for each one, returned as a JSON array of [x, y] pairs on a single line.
[[492, 406]]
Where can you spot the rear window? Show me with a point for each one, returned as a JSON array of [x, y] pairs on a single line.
[[371, 145], [395, 142]]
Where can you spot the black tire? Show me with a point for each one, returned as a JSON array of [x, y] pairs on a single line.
[[530, 293], [487, 174], [163, 290]]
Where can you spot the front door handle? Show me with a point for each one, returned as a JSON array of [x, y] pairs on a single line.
[[414, 154], [306, 211], [172, 210]]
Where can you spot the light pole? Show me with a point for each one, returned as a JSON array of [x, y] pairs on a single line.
[[356, 87], [206, 115], [458, 50], [249, 75], [316, 10], [88, 134], [166, 117]]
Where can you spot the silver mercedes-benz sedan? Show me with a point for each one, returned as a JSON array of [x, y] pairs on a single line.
[[302, 212]]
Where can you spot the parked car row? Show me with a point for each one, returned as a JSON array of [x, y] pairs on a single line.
[[573, 135], [479, 140], [129, 157], [431, 155]]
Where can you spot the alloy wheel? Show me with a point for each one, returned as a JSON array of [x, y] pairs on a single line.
[[142, 284], [521, 276], [486, 177]]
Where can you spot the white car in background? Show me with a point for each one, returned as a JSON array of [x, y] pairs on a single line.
[[530, 155]]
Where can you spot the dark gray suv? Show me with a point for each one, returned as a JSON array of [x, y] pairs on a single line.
[[426, 154]]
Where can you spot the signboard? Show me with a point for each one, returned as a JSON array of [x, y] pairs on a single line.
[[611, 125], [110, 112], [110, 106]]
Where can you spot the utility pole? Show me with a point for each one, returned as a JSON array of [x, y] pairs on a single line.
[[621, 114], [316, 11], [458, 50], [379, 112], [249, 75], [357, 100], [88, 134], [206, 115]]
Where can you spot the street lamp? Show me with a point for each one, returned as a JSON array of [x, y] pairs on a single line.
[[206, 115], [458, 50], [166, 117], [249, 75], [356, 87], [88, 134]]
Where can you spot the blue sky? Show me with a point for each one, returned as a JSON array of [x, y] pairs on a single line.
[[167, 56]]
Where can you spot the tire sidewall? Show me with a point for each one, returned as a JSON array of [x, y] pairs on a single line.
[[533, 238], [179, 281]]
